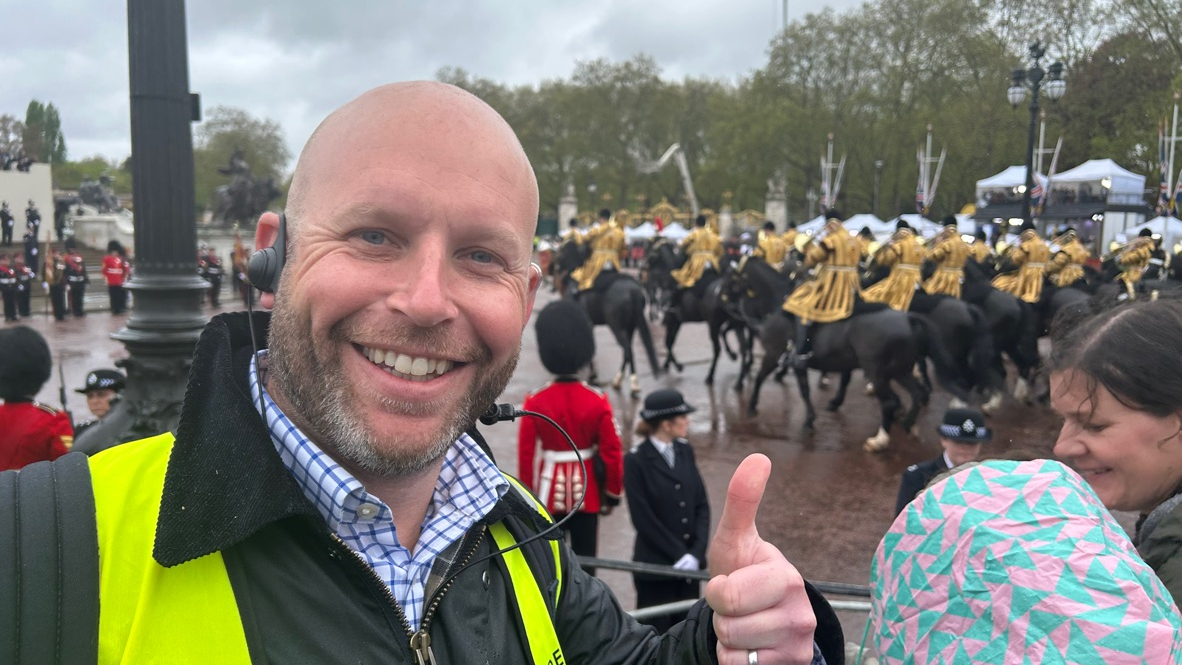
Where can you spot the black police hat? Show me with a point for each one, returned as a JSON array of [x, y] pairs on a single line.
[[103, 379], [964, 426], [25, 362], [664, 403], [566, 342]]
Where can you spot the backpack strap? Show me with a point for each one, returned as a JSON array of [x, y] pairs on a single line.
[[49, 581]]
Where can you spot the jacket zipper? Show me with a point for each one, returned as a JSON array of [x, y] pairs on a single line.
[[419, 641]]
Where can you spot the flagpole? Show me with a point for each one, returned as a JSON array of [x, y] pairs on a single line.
[[927, 185], [1173, 143], [1042, 136]]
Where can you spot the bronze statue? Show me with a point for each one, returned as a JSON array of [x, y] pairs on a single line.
[[246, 197]]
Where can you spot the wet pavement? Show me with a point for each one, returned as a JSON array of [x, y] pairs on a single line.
[[827, 504]]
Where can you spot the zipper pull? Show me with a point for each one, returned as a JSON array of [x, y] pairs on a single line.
[[420, 644]]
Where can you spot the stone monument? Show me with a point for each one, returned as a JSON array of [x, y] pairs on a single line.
[[568, 207], [775, 204]]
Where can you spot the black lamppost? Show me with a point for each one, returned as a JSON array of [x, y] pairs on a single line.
[[1055, 87], [167, 319]]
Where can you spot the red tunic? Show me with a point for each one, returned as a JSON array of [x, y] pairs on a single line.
[[585, 414], [115, 270], [32, 432]]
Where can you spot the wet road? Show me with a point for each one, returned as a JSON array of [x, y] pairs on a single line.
[[827, 504]]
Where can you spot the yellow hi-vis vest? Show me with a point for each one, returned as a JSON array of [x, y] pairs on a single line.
[[187, 613]]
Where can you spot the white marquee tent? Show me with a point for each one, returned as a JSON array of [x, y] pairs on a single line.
[[1012, 176], [1123, 186], [1169, 228]]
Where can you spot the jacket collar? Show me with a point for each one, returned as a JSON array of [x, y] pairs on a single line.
[[225, 481]]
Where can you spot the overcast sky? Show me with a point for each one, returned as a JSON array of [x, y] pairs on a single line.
[[295, 60]]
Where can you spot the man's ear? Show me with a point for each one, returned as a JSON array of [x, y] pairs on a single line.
[[535, 281], [265, 234]]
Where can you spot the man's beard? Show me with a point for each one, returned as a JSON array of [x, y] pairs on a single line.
[[315, 386]]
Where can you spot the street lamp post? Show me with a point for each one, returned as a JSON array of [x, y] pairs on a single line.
[[878, 164], [1055, 87]]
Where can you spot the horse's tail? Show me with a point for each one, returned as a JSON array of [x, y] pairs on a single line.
[[646, 335], [931, 346]]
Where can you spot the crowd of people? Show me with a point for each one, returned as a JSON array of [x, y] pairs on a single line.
[[332, 442]]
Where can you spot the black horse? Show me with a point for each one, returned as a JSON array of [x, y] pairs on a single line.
[[885, 344], [1014, 326], [661, 258], [618, 302]]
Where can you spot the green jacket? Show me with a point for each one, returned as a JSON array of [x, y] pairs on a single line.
[[1159, 542]]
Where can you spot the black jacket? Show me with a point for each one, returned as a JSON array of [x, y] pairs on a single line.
[[669, 506], [917, 477], [305, 597]]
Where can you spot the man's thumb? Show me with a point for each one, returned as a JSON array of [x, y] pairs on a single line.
[[736, 539]]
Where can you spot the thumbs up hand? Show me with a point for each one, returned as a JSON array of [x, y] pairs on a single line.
[[759, 601]]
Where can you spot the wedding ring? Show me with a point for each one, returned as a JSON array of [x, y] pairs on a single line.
[[752, 657]]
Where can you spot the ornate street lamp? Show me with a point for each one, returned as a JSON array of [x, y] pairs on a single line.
[[1032, 78]]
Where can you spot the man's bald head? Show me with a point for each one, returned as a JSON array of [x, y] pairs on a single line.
[[416, 115]]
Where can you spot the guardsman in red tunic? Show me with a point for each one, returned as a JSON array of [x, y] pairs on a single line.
[[545, 461], [116, 270], [29, 432]]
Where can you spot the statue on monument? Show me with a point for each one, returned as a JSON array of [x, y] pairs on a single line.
[[99, 194], [246, 197]]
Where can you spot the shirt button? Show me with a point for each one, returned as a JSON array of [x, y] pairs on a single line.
[[684, 520], [677, 486], [685, 536], [367, 511], [682, 504]]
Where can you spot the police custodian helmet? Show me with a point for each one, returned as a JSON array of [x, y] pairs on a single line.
[[566, 342], [964, 426], [103, 379]]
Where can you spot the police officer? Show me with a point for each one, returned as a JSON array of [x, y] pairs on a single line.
[[102, 390], [29, 432], [962, 433], [25, 279]]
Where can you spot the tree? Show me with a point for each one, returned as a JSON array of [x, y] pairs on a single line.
[[12, 132], [69, 175], [226, 129], [42, 136]]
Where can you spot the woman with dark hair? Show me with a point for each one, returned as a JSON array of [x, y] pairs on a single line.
[[668, 503], [1116, 379]]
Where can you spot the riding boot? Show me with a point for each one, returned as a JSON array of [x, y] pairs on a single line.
[[802, 349]]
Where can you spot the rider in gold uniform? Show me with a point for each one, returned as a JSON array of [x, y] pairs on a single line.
[[704, 250], [607, 248], [1133, 260], [830, 296], [1066, 266], [980, 251], [949, 255], [904, 256], [1029, 259], [769, 246], [789, 237], [574, 233]]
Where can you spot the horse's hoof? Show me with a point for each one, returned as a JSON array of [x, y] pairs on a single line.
[[833, 405], [992, 405], [634, 385], [878, 442], [618, 381], [1022, 391], [869, 388], [823, 382]]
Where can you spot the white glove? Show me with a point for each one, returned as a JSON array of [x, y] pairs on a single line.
[[686, 562]]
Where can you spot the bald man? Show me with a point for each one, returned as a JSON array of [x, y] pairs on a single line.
[[327, 498]]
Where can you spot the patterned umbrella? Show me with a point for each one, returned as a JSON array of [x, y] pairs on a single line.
[[1017, 562]]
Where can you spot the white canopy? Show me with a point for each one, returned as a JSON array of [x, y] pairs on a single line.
[[1166, 227], [675, 232], [857, 222], [1013, 176], [642, 232], [811, 226], [1120, 180]]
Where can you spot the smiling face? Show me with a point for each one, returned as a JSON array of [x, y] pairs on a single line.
[[1132, 459], [399, 315]]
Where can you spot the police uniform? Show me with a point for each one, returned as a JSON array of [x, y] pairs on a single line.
[[1066, 266], [1132, 261], [959, 425], [1030, 258], [607, 246], [770, 247], [546, 463], [949, 255], [904, 255], [99, 379], [704, 250]]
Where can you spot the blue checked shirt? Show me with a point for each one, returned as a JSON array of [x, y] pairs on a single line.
[[468, 487]]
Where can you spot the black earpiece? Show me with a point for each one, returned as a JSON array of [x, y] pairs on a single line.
[[266, 265]]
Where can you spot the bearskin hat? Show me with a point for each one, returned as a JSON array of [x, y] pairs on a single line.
[[565, 339], [25, 362]]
